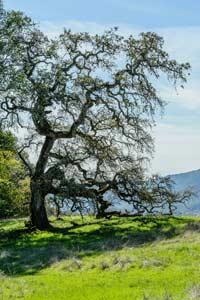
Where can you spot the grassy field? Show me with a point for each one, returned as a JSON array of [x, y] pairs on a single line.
[[120, 259]]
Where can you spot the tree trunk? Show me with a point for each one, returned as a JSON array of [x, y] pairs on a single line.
[[39, 218], [57, 210], [102, 205]]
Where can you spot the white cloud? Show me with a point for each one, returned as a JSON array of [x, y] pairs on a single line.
[[177, 149], [182, 42], [54, 29], [190, 97], [187, 97]]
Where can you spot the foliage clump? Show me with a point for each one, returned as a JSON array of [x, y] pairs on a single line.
[[14, 185]]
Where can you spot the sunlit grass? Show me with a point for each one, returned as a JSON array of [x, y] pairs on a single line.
[[120, 259]]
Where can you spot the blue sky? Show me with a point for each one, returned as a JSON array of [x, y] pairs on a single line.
[[177, 136], [146, 13]]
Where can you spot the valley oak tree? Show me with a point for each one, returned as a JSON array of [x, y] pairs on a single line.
[[85, 103]]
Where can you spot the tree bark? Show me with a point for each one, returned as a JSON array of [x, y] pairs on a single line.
[[38, 214], [39, 219], [57, 209]]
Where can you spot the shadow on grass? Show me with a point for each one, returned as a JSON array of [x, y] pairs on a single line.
[[24, 253]]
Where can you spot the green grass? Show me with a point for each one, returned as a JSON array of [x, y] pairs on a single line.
[[120, 259]]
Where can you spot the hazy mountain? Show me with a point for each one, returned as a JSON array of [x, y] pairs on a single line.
[[189, 180], [183, 181]]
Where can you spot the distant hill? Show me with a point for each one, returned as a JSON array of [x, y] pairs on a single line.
[[182, 182], [189, 180]]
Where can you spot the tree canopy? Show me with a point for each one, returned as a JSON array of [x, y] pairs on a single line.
[[85, 103], [14, 186]]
